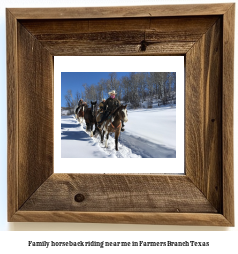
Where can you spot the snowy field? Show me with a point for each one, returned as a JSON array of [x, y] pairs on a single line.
[[149, 133]]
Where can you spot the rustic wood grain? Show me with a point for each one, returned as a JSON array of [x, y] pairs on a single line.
[[227, 113], [119, 36], [34, 37], [35, 111], [104, 193], [191, 219], [12, 115], [203, 115], [177, 25], [77, 26], [58, 48], [121, 12]]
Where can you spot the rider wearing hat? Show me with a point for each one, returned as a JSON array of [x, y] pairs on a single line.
[[109, 106], [101, 105], [80, 102]]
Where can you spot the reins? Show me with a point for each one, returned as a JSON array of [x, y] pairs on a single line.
[[117, 126]]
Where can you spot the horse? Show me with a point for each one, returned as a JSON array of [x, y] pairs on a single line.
[[80, 113], [76, 112], [90, 117], [113, 124]]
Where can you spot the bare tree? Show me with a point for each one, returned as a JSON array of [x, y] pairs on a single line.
[[125, 81], [92, 93], [120, 91], [113, 81], [142, 85], [150, 87], [69, 99], [134, 89], [100, 90], [86, 92], [134, 94], [77, 96]]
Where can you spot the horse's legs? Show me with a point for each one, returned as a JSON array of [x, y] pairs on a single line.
[[102, 135], [117, 133], [106, 138], [116, 142], [91, 130], [95, 131]]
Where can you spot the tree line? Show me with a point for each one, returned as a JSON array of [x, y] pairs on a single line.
[[133, 89]]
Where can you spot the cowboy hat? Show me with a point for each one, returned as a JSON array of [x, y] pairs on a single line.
[[112, 92]]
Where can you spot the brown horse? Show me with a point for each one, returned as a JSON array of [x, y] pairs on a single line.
[[90, 117], [80, 113], [113, 124]]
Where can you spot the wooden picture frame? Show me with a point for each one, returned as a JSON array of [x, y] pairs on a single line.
[[204, 34]]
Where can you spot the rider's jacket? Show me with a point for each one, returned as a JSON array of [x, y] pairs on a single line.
[[111, 104], [101, 106]]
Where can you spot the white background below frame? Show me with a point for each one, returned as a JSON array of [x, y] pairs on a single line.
[[120, 64]]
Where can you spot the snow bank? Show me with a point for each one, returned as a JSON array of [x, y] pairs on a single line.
[[150, 133], [76, 143], [157, 125]]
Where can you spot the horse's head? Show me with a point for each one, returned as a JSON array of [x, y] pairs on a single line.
[[123, 113], [94, 107]]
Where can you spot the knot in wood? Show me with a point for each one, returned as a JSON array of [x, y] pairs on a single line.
[[143, 45], [79, 198]]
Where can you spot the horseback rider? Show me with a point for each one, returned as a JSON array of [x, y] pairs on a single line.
[[109, 106], [79, 105], [80, 102], [101, 105]]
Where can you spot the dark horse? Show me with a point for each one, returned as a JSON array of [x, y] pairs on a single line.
[[113, 124], [90, 117]]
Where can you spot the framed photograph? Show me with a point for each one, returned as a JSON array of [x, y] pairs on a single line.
[[155, 109], [200, 191]]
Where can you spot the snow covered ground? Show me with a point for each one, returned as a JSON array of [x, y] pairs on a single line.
[[76, 143], [64, 112], [149, 133]]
